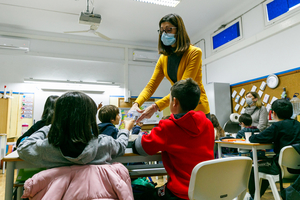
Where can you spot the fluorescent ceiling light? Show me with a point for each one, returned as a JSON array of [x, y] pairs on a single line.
[[170, 3], [59, 85]]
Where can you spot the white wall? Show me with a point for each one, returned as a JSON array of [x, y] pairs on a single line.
[[62, 60], [262, 51]]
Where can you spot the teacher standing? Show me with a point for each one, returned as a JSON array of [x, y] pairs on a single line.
[[179, 60]]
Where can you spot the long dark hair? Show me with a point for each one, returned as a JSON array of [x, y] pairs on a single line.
[[216, 124], [74, 119], [49, 109], [182, 39]]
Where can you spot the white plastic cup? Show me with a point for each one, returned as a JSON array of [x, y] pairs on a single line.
[[247, 136]]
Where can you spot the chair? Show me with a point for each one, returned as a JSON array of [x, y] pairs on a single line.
[[231, 127], [288, 158], [223, 178]]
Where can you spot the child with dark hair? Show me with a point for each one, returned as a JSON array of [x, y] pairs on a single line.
[[284, 132], [109, 117], [245, 122], [46, 118], [73, 137], [219, 132], [185, 139]]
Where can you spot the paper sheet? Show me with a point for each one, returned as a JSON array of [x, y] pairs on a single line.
[[243, 110], [237, 98], [273, 99], [260, 93], [242, 92], [236, 108], [242, 101], [266, 98], [233, 94], [263, 85], [253, 89], [268, 107]]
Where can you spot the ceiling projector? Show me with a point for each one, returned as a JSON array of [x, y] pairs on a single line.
[[89, 18]]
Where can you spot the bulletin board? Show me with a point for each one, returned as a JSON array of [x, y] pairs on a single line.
[[290, 80]]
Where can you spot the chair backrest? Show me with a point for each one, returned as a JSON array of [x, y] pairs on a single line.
[[289, 158], [223, 178]]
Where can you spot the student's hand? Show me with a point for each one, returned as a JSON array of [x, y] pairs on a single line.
[[140, 124], [99, 106], [129, 123], [147, 113]]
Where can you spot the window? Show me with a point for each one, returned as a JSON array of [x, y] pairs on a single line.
[[227, 35], [274, 9]]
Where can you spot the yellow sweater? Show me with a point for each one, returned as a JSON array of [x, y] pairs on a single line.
[[189, 67]]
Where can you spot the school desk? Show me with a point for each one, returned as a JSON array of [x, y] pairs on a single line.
[[14, 162], [251, 146]]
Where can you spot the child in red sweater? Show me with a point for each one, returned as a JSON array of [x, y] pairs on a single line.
[[185, 139]]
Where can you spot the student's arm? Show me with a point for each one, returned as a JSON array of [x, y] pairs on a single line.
[[240, 134], [118, 146], [153, 83], [136, 130], [32, 149], [266, 136], [263, 119], [151, 143]]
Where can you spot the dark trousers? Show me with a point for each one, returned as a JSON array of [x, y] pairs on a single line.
[[271, 169]]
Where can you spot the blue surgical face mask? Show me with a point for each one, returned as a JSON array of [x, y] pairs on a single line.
[[168, 39]]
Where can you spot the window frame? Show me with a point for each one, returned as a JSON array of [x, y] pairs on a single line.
[[230, 43], [279, 18]]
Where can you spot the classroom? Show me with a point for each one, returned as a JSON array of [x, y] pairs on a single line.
[[46, 48]]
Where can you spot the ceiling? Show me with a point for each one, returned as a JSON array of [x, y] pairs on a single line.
[[125, 21]]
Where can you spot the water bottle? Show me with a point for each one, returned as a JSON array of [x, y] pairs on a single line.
[[24, 128], [296, 105]]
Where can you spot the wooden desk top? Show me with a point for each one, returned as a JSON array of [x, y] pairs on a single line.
[[243, 143], [14, 156]]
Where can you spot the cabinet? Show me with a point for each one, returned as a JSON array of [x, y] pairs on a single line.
[[11, 118], [219, 99], [4, 115]]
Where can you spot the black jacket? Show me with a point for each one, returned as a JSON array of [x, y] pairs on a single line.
[[281, 133], [108, 129]]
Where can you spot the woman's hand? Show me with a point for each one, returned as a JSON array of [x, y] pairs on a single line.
[[135, 106], [147, 113], [129, 123]]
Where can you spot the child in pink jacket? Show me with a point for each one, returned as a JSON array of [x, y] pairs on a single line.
[[73, 139]]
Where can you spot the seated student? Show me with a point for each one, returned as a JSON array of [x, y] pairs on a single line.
[[284, 132], [219, 132], [73, 137], [137, 128], [46, 118], [185, 139], [246, 121], [109, 117]]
